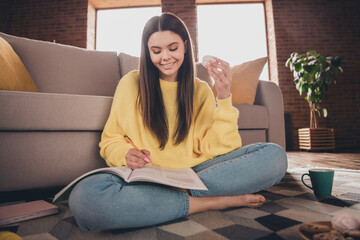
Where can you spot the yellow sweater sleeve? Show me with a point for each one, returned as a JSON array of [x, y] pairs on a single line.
[[216, 130], [113, 146]]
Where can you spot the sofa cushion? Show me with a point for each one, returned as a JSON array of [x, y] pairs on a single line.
[[252, 116], [57, 68], [245, 78], [51, 111], [253, 136], [13, 74], [127, 63]]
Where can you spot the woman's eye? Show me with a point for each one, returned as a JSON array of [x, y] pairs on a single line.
[[173, 49], [157, 52]]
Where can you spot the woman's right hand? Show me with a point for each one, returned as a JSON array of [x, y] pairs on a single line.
[[136, 159]]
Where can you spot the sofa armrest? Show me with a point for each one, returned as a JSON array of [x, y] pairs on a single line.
[[269, 95], [29, 111]]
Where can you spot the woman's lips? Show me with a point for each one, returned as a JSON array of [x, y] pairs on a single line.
[[168, 65]]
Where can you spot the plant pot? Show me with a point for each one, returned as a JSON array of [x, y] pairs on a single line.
[[316, 138]]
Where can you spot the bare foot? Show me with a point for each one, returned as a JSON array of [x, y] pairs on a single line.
[[246, 200], [255, 200], [200, 204]]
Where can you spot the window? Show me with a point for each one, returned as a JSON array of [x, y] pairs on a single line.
[[233, 32], [120, 30]]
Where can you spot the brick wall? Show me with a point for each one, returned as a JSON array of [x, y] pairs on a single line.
[[331, 27], [5, 15], [64, 21]]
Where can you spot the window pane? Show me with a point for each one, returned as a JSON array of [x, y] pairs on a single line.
[[120, 30], [233, 32]]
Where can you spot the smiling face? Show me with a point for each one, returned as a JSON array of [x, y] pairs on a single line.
[[167, 51]]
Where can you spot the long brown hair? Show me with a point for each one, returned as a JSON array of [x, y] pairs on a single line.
[[150, 97]]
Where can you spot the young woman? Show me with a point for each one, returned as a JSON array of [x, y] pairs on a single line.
[[176, 120]]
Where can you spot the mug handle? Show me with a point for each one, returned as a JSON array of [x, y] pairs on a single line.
[[302, 179]]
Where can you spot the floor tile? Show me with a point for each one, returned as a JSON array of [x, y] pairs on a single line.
[[276, 223], [291, 233], [251, 223], [146, 233], [62, 230], [272, 236], [241, 232], [164, 235], [250, 213], [289, 204], [208, 235], [271, 207], [272, 196], [42, 236], [37, 226], [353, 211], [303, 215], [351, 196], [212, 219], [287, 192], [338, 202], [186, 228], [79, 234], [314, 205]]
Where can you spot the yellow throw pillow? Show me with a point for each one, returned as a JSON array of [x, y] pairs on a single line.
[[13, 74], [245, 78]]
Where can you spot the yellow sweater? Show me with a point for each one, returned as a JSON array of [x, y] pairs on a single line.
[[213, 130]]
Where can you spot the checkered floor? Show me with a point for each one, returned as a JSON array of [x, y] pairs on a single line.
[[288, 205]]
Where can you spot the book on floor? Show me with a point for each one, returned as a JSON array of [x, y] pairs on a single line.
[[25, 211], [181, 178]]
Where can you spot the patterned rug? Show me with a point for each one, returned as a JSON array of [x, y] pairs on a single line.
[[288, 205]]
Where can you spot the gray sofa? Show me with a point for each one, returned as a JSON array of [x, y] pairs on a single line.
[[51, 137]]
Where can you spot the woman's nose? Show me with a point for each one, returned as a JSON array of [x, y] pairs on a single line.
[[166, 55]]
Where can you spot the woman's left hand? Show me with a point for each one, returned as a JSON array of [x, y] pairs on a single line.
[[220, 71]]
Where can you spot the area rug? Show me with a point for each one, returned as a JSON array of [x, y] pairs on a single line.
[[288, 205]]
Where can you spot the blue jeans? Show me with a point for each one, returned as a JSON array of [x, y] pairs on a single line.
[[104, 201]]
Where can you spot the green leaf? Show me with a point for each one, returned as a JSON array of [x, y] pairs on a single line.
[[310, 58], [313, 62], [308, 68], [311, 53], [303, 89], [298, 67], [337, 61], [335, 71], [288, 62]]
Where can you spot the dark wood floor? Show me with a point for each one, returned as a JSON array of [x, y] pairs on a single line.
[[323, 159]]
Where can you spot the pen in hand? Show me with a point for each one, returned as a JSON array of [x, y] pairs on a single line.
[[146, 159]]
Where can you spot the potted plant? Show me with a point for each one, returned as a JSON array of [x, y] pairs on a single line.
[[313, 73]]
